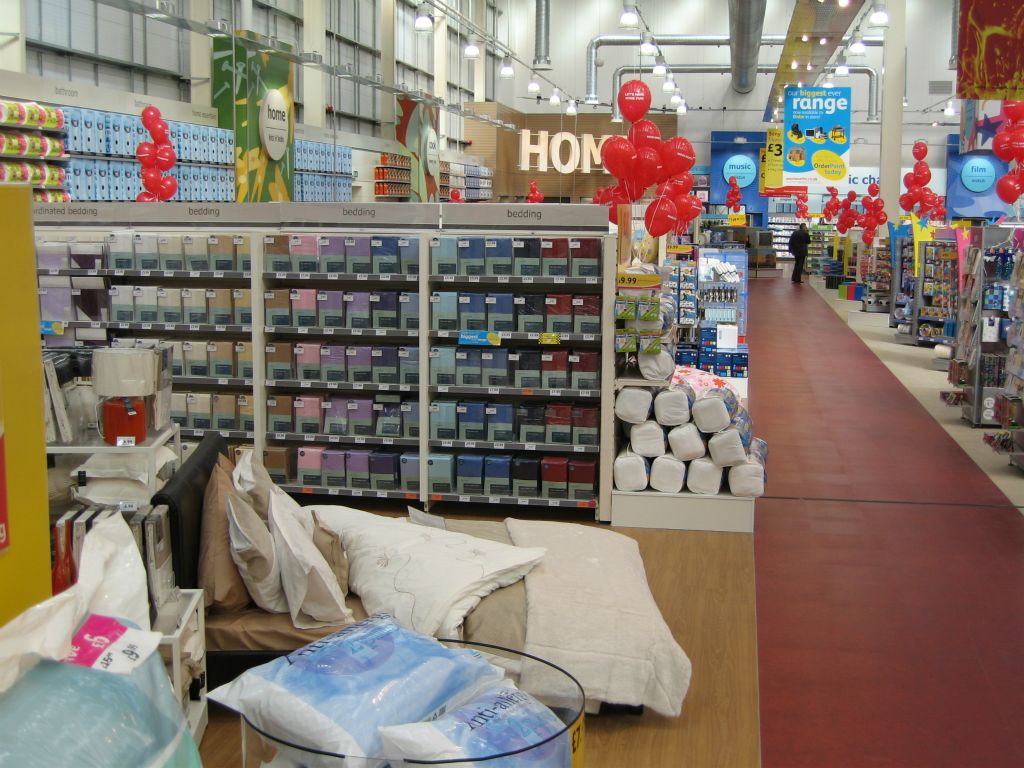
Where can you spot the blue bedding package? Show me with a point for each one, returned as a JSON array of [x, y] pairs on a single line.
[[334, 694]]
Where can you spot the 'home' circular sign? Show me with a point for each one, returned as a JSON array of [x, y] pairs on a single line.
[[275, 118]]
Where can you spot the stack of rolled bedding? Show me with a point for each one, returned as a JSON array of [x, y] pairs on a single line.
[[677, 439]]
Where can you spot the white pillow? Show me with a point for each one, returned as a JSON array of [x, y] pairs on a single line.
[[111, 492], [122, 466], [252, 549], [251, 478], [428, 579], [314, 597]]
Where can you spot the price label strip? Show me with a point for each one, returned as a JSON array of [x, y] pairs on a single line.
[[631, 280]]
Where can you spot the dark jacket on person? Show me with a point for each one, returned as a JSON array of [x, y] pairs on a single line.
[[799, 241]]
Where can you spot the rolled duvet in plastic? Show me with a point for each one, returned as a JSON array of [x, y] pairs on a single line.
[[633, 404], [714, 408], [648, 439], [668, 474], [748, 479], [656, 367], [704, 477], [631, 472], [728, 448], [672, 406], [686, 442]]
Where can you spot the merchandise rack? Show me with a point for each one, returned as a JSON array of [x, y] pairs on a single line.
[[421, 221]]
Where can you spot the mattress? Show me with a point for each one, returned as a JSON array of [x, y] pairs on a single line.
[[704, 477], [633, 405], [668, 474], [647, 439], [686, 442]]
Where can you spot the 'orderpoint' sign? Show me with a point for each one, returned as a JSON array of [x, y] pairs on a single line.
[[744, 168], [816, 143], [275, 121]]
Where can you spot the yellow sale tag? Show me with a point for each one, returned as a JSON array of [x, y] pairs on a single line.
[[550, 338], [576, 739], [631, 280], [737, 220]]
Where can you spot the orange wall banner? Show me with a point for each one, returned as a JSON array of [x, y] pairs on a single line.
[[990, 54]]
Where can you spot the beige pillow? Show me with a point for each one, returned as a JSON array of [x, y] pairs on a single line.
[[223, 587], [330, 546], [250, 477], [252, 549], [314, 597]]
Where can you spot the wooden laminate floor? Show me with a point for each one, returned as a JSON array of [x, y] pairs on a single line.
[[704, 585]]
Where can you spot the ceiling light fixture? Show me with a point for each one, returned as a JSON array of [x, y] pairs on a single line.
[[681, 109], [809, 66], [647, 46], [677, 97], [935, 124], [842, 68], [779, 99], [823, 41], [660, 67], [570, 108], [534, 85], [800, 84], [906, 102], [472, 49], [857, 43], [556, 98], [507, 71], [668, 84], [630, 18], [879, 15], [793, 64], [424, 18], [828, 83], [843, 3], [949, 111], [804, 38]]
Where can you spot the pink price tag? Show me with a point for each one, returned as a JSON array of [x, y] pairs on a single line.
[[93, 639]]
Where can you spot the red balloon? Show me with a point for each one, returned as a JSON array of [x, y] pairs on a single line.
[[146, 154], [878, 204], [602, 196], [908, 179], [633, 186], [660, 217], [1017, 144], [680, 184], [165, 157], [873, 189], [920, 150], [677, 155], [644, 133], [882, 217], [158, 130], [149, 116], [617, 155], [168, 186], [647, 166], [1014, 109], [151, 179], [851, 195], [906, 203], [146, 197], [922, 172], [867, 237], [1009, 189], [634, 100], [866, 202], [1002, 146]]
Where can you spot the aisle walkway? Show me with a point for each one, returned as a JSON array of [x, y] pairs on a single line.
[[890, 570]]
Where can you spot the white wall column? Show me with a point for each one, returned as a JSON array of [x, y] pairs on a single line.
[[894, 64], [440, 60], [12, 48], [200, 54], [244, 20], [480, 65], [387, 66], [314, 82]]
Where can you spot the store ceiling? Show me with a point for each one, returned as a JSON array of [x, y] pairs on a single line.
[[816, 21]]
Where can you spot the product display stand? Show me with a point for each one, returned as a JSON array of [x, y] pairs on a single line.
[[904, 290], [181, 623], [386, 253], [935, 297]]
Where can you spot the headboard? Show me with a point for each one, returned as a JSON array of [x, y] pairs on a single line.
[[183, 494]]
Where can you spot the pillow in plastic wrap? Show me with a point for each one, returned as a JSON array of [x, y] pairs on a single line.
[[647, 439], [704, 477], [60, 714], [631, 472], [668, 474], [499, 721], [714, 408], [672, 406], [686, 442], [657, 366], [334, 694], [633, 404], [748, 479], [728, 448]]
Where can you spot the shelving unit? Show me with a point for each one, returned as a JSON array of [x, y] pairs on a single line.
[[904, 290], [177, 621], [169, 434], [935, 300], [877, 278]]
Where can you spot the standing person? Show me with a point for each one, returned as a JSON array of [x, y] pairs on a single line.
[[798, 243]]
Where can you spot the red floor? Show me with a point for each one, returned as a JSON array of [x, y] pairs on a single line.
[[889, 634]]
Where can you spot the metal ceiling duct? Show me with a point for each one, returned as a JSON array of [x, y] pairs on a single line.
[[746, 21], [874, 95], [542, 41]]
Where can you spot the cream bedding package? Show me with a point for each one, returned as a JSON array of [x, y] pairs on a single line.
[[693, 435]]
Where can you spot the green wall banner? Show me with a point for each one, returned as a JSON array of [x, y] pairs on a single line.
[[416, 130]]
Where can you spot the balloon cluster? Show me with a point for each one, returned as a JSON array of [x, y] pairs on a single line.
[[918, 193], [641, 159], [734, 195], [801, 205], [1008, 146], [155, 157], [832, 205], [872, 217], [455, 196], [535, 195]]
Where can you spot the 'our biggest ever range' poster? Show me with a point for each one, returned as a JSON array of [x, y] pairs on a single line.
[[816, 136]]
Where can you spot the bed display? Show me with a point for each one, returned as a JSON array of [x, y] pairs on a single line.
[[700, 424]]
